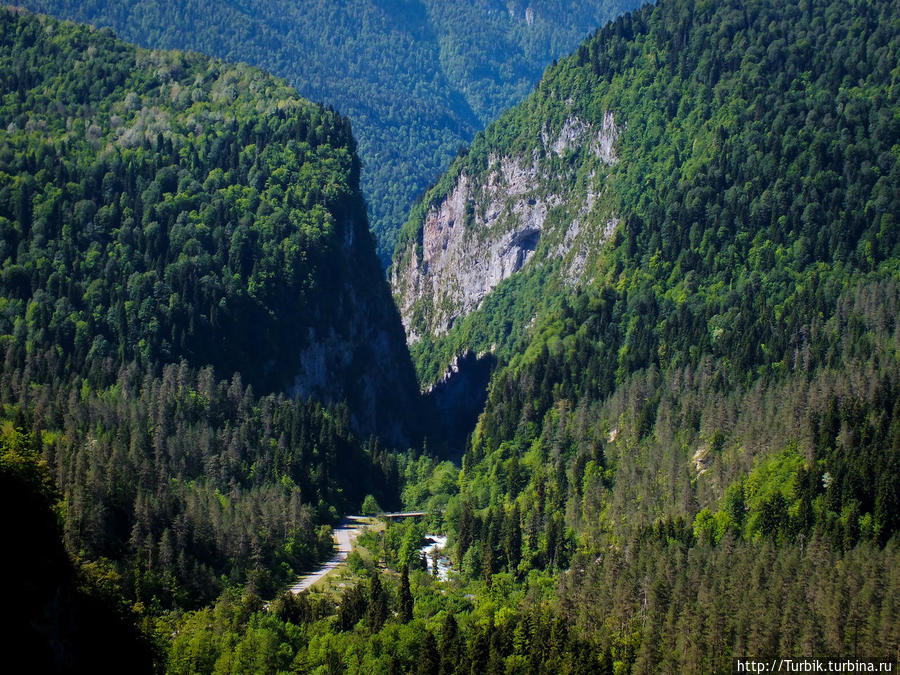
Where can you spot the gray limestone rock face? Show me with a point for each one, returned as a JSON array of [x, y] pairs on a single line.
[[487, 228]]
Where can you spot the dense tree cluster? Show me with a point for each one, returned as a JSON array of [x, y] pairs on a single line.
[[662, 602], [664, 605], [68, 614], [174, 233], [186, 481], [307, 634]]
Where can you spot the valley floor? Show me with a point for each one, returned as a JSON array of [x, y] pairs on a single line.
[[345, 534]]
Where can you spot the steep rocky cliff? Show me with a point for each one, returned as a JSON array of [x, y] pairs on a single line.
[[356, 352], [541, 209]]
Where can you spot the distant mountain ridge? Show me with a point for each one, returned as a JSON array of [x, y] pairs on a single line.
[[417, 77]]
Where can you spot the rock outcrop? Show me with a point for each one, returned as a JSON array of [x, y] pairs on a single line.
[[355, 352], [490, 226]]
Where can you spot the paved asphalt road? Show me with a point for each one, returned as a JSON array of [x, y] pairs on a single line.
[[345, 534]]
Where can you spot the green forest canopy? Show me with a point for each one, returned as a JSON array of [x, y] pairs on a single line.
[[417, 77], [173, 232], [695, 458]]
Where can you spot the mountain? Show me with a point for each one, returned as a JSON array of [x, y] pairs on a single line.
[[658, 164], [681, 252], [662, 213], [416, 77], [161, 206], [665, 289], [195, 327]]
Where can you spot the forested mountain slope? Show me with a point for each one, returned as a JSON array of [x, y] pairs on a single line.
[[160, 206], [182, 243], [691, 157], [416, 77], [681, 258], [683, 250]]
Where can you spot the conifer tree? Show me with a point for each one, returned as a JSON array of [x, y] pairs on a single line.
[[378, 607], [406, 598], [429, 660]]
